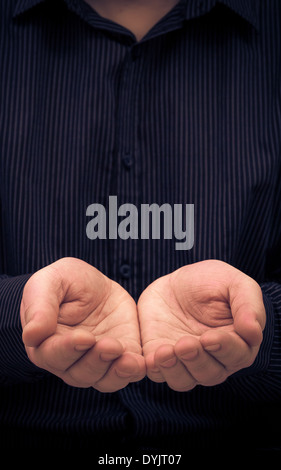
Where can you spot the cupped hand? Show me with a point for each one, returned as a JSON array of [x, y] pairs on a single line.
[[81, 326], [200, 324]]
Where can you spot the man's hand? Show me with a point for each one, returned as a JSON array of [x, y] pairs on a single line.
[[200, 324], [81, 326]]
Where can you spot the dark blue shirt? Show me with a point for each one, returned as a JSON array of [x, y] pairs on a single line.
[[188, 115]]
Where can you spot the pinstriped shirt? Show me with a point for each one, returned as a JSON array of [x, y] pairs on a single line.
[[188, 115]]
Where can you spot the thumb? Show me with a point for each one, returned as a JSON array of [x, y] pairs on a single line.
[[40, 304], [248, 311]]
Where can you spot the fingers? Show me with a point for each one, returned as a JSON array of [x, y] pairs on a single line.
[[248, 326], [127, 368], [229, 349], [205, 369], [81, 362], [94, 364], [247, 308], [58, 352], [172, 370], [185, 365], [40, 307], [207, 360]]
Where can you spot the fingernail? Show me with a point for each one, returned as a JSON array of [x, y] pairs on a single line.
[[190, 356], [123, 375], [107, 357], [126, 375], [169, 362], [213, 347]]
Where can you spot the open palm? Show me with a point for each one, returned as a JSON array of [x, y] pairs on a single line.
[[200, 323], [81, 326]]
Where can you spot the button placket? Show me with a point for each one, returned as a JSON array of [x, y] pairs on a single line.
[[126, 187]]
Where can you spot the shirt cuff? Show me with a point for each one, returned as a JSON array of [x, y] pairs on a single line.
[[267, 360], [15, 366]]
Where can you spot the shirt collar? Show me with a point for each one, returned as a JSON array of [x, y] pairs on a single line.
[[24, 5], [247, 9]]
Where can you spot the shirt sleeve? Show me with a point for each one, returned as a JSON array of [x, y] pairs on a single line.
[[268, 359], [15, 365]]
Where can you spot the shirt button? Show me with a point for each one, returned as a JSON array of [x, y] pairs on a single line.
[[125, 271], [127, 160], [135, 52]]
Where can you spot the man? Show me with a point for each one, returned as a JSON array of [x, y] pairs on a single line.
[[126, 336]]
